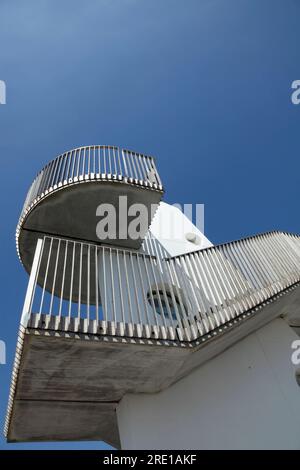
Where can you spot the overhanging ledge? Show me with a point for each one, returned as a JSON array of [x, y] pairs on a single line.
[[52, 384]]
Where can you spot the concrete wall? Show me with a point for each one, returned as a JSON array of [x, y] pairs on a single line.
[[172, 228], [246, 398]]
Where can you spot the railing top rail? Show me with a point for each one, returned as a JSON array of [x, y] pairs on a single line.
[[95, 146], [93, 163], [139, 153], [231, 242], [119, 249]]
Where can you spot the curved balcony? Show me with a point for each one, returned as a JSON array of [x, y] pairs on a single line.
[[64, 196]]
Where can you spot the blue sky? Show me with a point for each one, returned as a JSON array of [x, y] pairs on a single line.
[[204, 85]]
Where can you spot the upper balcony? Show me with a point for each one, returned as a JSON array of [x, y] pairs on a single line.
[[63, 198]]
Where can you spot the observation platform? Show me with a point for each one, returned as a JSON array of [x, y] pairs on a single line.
[[64, 197], [128, 322]]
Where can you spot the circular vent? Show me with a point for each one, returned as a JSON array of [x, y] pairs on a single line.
[[166, 304]]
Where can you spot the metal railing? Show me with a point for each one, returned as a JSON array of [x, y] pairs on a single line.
[[84, 287], [94, 162], [226, 281]]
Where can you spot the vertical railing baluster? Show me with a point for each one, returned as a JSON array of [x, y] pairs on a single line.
[[63, 171], [184, 316], [164, 291], [120, 288], [46, 275], [78, 163], [83, 163], [52, 181], [96, 284], [135, 290], [238, 275], [125, 163], [127, 288], [80, 282], [109, 160], [63, 279], [112, 286], [60, 174], [279, 262], [33, 278], [140, 167], [88, 282], [99, 161], [135, 174], [104, 286], [204, 301], [145, 300], [115, 161], [153, 268], [226, 278], [54, 276], [94, 160], [243, 263], [149, 283], [89, 161], [143, 166], [189, 309], [42, 184], [179, 318], [67, 170], [156, 172], [193, 289], [74, 158], [71, 281], [119, 161], [129, 163], [104, 160]]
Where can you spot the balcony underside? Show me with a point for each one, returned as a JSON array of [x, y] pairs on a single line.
[[72, 379], [71, 212]]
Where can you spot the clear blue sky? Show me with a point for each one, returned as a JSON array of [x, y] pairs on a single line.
[[204, 85]]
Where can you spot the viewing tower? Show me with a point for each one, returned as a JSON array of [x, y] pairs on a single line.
[[156, 341]]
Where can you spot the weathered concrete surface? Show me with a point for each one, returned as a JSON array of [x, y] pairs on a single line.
[[68, 388], [69, 384], [63, 421], [60, 368], [57, 214]]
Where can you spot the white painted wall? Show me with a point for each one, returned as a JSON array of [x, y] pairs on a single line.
[[170, 227], [245, 398]]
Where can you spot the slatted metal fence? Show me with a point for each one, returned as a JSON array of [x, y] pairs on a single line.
[[94, 162], [127, 293]]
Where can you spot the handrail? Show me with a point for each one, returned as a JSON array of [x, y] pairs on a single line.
[[93, 162], [124, 293]]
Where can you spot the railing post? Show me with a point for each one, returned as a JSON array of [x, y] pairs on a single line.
[[125, 164], [32, 283]]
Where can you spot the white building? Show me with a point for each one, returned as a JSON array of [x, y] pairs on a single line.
[[157, 342]]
